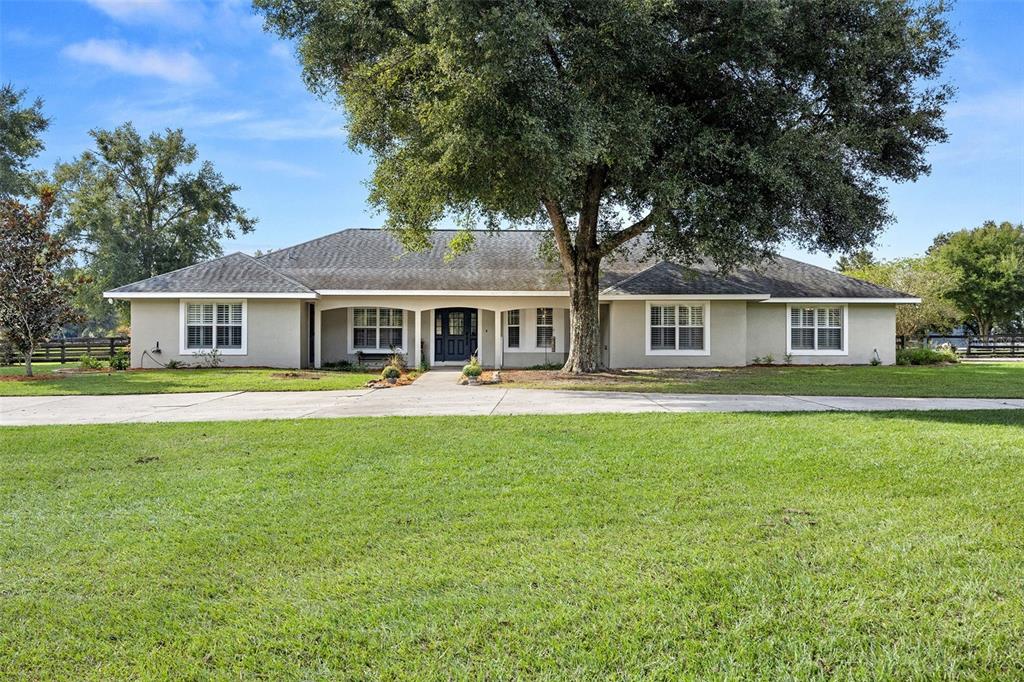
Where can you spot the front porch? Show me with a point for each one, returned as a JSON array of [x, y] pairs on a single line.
[[502, 331]]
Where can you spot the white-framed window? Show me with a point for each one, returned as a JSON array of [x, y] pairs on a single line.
[[816, 330], [512, 328], [209, 325], [545, 327], [377, 329], [678, 328], [532, 330]]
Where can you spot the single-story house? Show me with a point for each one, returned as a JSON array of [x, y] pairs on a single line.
[[356, 294]]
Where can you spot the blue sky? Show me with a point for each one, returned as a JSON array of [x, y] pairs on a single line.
[[237, 92]]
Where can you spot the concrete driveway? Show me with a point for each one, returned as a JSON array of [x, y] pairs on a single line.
[[435, 393]]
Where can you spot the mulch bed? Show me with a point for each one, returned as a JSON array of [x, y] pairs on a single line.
[[22, 377], [403, 380]]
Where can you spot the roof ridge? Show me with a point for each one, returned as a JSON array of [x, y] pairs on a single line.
[[382, 230], [183, 268], [845, 276], [275, 272], [309, 241], [631, 277]]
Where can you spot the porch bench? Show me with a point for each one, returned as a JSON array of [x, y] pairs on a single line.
[[374, 359]]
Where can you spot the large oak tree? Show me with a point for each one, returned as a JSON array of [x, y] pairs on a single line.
[[721, 129]]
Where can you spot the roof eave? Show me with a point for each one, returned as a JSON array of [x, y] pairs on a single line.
[[844, 299], [131, 295]]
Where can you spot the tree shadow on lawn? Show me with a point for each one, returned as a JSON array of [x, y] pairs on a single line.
[[966, 417]]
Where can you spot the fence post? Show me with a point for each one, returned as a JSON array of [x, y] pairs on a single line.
[[111, 346], [63, 352]]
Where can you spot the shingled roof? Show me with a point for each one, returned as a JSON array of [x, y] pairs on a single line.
[[364, 259], [235, 273]]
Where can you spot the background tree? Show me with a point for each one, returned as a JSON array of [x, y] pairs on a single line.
[[135, 207], [988, 265], [927, 278], [35, 301], [719, 129], [860, 259], [20, 128]]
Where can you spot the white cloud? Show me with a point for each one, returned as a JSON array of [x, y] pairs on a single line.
[[995, 105], [291, 129], [175, 12], [285, 168], [281, 50], [176, 67]]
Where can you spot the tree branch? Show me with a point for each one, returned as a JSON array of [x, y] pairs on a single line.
[[556, 61], [591, 207], [617, 239], [563, 238]]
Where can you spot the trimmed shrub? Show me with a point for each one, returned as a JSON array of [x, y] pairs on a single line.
[[925, 356], [391, 372], [89, 362], [473, 369], [120, 360]]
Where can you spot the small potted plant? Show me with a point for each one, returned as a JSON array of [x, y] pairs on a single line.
[[391, 374], [472, 371]]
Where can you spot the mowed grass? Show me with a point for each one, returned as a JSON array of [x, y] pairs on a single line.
[[602, 546], [964, 380], [173, 381]]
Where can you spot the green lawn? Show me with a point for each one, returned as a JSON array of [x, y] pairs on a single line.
[[884, 546], [175, 381], [965, 380]]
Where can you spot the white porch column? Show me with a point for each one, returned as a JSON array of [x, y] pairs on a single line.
[[499, 328], [430, 327], [478, 351], [318, 349], [416, 336]]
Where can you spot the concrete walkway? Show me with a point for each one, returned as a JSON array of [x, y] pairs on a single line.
[[435, 393]]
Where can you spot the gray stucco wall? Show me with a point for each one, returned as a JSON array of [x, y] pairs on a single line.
[[272, 333], [276, 335], [870, 326], [336, 336], [628, 337]]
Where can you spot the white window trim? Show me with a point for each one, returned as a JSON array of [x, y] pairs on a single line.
[[707, 328], [183, 327], [352, 350], [518, 325], [789, 330], [528, 330]]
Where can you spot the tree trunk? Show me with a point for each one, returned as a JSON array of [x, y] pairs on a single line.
[[584, 311], [28, 361]]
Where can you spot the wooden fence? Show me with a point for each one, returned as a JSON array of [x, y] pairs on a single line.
[[968, 345], [71, 350]]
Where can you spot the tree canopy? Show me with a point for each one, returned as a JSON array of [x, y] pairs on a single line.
[[137, 207], [927, 278], [721, 129], [35, 299], [988, 265], [20, 128]]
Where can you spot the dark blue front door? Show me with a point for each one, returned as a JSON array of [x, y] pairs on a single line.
[[454, 334]]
